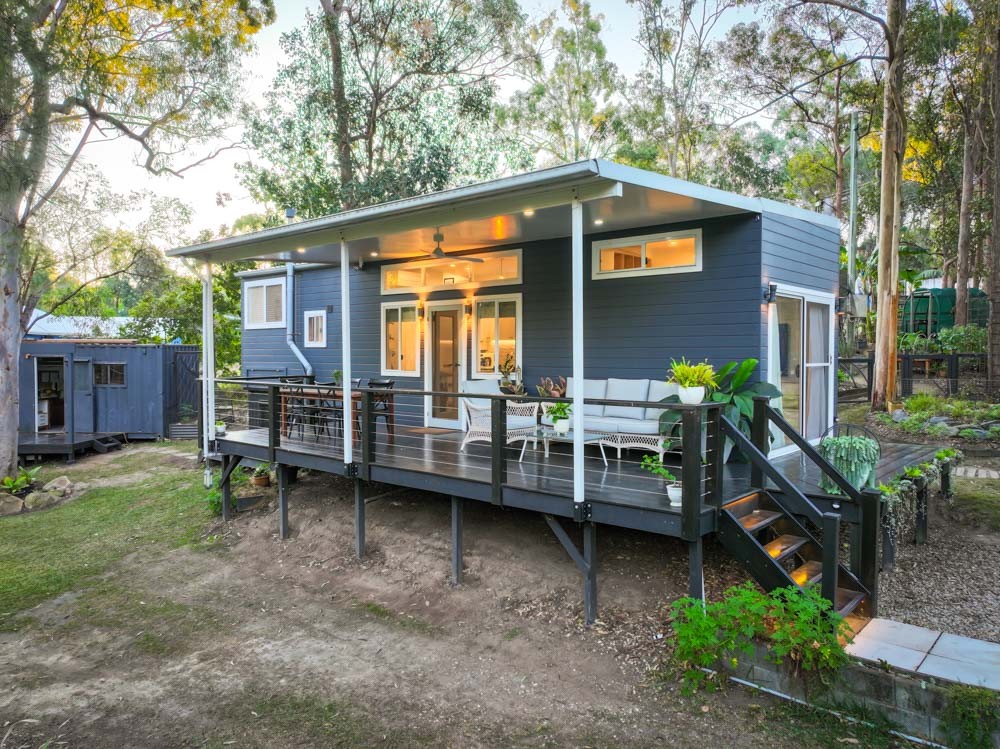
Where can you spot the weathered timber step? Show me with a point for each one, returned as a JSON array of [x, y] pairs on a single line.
[[784, 546], [759, 519], [743, 505], [809, 573], [99, 446], [848, 600]]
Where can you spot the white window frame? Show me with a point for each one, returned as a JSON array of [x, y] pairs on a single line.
[[306, 317], [272, 281], [606, 244], [473, 368], [386, 372], [420, 264]]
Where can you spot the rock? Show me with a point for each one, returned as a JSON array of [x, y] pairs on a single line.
[[60, 486], [10, 505], [80, 487], [40, 500], [950, 431], [938, 420], [899, 415]]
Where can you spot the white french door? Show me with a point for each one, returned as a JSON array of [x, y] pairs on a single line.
[[801, 346], [444, 357]]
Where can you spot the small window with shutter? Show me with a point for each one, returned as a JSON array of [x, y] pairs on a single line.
[[264, 303]]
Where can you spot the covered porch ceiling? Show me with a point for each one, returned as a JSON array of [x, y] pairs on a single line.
[[512, 210]]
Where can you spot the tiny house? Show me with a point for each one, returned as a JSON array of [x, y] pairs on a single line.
[[100, 386]]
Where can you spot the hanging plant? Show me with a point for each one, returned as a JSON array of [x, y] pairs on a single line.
[[855, 458]]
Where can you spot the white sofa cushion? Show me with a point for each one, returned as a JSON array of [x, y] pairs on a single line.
[[626, 390], [591, 389], [520, 422], [639, 426], [658, 390], [480, 387], [601, 424]]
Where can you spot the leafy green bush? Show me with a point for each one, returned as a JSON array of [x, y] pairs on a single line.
[[969, 434], [963, 339], [993, 412], [923, 402], [797, 625], [970, 716], [25, 477], [937, 430], [914, 423], [688, 374]]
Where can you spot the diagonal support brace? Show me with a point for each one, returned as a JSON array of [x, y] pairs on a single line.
[[585, 562]]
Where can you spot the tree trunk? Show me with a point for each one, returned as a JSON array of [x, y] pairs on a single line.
[[332, 10], [893, 143], [11, 240], [994, 253], [969, 161]]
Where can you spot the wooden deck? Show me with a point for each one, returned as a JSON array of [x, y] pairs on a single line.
[[621, 492], [60, 443]]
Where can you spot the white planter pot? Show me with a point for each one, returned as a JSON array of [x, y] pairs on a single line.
[[691, 395], [561, 426], [675, 494], [220, 430]]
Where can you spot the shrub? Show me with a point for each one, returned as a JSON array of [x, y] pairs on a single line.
[[993, 412], [971, 715], [937, 430], [969, 434], [963, 339], [796, 624], [922, 402], [687, 374], [914, 422], [25, 477], [960, 409]]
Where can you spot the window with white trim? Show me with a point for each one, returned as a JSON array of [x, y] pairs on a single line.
[[264, 303], [315, 328], [496, 334], [400, 339], [500, 268], [648, 255]]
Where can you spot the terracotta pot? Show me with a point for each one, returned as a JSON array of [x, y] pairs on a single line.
[[264, 480]]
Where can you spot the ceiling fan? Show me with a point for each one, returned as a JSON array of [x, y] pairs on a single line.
[[440, 254]]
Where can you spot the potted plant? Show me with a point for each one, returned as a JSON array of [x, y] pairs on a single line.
[[510, 377], [338, 377], [220, 428], [736, 393], [654, 464], [549, 388], [261, 475], [854, 456], [559, 413], [693, 380]]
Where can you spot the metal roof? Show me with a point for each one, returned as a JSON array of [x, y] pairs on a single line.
[[522, 208]]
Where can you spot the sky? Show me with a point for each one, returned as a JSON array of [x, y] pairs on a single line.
[[200, 185]]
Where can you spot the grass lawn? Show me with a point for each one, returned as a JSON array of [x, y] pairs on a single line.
[[43, 554], [977, 502]]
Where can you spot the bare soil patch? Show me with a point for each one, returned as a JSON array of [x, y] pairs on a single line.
[[246, 640]]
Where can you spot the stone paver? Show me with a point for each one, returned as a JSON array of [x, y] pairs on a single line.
[[974, 472], [927, 651]]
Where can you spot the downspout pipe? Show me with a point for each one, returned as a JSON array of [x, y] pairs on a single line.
[[290, 319]]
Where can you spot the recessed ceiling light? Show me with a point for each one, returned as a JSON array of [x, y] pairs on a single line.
[[598, 222], [374, 254], [301, 250], [529, 212], [452, 265]]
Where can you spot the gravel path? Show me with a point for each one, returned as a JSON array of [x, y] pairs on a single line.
[[952, 583]]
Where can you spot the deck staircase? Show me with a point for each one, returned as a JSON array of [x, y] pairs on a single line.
[[779, 551], [105, 443]]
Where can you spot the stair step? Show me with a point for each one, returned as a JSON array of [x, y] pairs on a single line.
[[743, 506], [808, 573], [848, 600], [784, 546], [758, 519]]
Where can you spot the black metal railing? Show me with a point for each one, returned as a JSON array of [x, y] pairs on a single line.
[[935, 373], [386, 429]]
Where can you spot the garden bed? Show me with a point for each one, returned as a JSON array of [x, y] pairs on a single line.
[[972, 426]]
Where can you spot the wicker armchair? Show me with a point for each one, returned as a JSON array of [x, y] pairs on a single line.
[[522, 418]]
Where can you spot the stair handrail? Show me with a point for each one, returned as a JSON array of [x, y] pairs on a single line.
[[802, 504], [776, 418]]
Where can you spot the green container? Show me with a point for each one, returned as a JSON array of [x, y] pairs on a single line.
[[929, 311]]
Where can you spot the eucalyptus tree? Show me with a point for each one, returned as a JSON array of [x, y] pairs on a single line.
[[568, 110], [154, 75], [381, 99]]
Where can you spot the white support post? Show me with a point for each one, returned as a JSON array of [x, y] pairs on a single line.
[[345, 346], [208, 366], [578, 389]]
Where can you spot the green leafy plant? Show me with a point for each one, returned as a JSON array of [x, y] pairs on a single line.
[[922, 402], [796, 625], [854, 456], [338, 377], [559, 411], [15, 484], [963, 339], [970, 434], [937, 430], [915, 343], [689, 375], [262, 469], [736, 392], [971, 716], [654, 464], [948, 454], [843, 378]]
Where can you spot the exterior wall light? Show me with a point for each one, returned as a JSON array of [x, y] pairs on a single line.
[[771, 293]]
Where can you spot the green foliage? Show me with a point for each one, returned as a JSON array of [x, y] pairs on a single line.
[[686, 374], [948, 454], [796, 625], [963, 339], [970, 717], [549, 388], [922, 402], [559, 411], [970, 434], [654, 464], [15, 484], [916, 343], [855, 457]]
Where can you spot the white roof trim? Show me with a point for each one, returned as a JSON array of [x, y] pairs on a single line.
[[279, 270]]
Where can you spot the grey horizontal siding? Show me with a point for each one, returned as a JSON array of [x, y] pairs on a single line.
[[632, 328]]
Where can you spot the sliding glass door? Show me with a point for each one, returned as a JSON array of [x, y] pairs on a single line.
[[800, 360]]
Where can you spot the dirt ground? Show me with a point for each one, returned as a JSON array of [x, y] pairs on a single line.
[[242, 639]]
